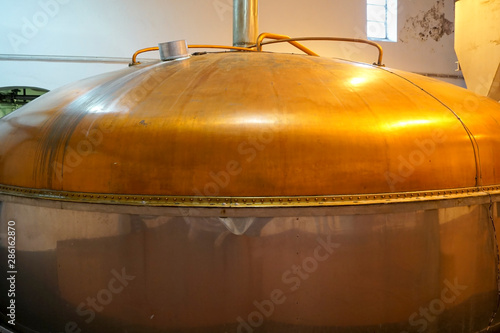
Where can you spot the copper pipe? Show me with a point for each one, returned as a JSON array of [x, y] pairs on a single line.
[[337, 39], [279, 39], [265, 35], [147, 49], [194, 46]]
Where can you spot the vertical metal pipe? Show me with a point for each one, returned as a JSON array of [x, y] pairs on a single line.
[[245, 22]]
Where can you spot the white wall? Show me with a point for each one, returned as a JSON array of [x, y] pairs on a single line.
[[117, 28]]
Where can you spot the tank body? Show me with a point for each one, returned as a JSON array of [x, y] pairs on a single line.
[[252, 192]]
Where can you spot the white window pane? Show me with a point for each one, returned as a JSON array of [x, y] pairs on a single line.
[[382, 21], [376, 13], [376, 2], [376, 30]]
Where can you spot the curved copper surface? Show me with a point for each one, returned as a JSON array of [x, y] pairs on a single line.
[[244, 149], [252, 125]]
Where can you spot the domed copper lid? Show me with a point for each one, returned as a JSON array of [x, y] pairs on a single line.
[[269, 128]]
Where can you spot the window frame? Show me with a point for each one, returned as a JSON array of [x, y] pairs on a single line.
[[389, 23]]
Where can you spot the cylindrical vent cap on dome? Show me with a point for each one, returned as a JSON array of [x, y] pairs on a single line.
[[173, 50]]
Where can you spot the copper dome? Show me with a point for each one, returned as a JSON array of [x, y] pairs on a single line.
[[250, 125]]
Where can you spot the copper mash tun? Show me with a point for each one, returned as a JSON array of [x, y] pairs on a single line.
[[248, 191]]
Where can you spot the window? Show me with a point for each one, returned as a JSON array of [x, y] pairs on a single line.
[[381, 20], [12, 98]]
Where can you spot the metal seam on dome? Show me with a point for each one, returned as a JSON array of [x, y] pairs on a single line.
[[475, 146], [236, 202]]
